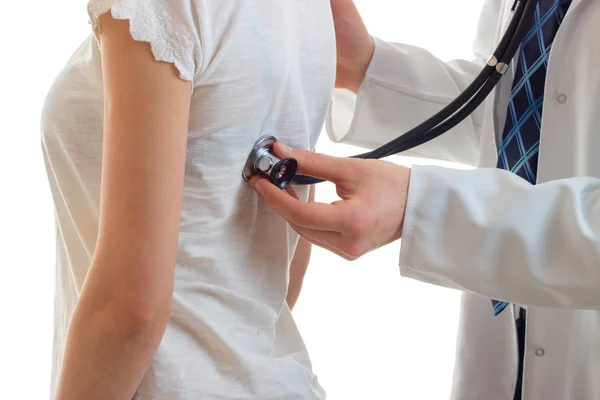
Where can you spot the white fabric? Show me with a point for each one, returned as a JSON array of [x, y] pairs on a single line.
[[167, 26], [256, 68], [486, 231]]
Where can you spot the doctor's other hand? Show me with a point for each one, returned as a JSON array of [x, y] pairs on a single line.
[[355, 46], [369, 215]]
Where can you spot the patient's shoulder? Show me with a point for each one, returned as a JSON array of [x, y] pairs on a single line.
[[171, 27]]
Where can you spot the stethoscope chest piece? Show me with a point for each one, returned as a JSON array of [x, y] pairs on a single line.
[[283, 172], [261, 160]]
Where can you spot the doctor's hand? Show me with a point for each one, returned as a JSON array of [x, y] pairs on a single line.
[[369, 215], [354, 45]]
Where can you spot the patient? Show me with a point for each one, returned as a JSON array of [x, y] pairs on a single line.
[[172, 274]]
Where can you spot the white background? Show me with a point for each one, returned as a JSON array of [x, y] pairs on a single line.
[[371, 333]]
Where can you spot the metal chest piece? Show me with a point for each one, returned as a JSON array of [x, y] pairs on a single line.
[[262, 161]]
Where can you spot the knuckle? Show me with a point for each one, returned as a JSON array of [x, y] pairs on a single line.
[[355, 250], [353, 167], [358, 226], [311, 158], [348, 257]]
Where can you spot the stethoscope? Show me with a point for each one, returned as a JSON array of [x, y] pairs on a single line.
[[283, 172]]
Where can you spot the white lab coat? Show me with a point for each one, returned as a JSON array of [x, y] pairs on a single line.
[[489, 233]]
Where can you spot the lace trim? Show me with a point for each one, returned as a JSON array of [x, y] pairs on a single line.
[[151, 22]]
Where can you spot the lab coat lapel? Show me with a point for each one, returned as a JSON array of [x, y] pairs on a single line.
[[561, 153], [497, 103]]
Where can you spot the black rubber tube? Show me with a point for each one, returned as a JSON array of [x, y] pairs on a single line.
[[522, 29], [469, 100]]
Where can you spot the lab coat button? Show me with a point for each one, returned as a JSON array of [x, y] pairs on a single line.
[[562, 98], [540, 352]]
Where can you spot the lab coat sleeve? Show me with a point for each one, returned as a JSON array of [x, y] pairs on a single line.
[[404, 86], [489, 232]]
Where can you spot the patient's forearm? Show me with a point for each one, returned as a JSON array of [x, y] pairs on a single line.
[[297, 271], [109, 349], [299, 264]]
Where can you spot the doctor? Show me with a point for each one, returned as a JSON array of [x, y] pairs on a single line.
[[520, 235]]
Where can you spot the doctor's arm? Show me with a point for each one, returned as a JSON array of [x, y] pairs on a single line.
[[492, 233], [125, 303], [399, 86], [485, 231]]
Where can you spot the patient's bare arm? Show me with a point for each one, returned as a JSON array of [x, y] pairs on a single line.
[[299, 264]]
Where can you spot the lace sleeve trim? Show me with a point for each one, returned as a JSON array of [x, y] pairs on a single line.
[[150, 21]]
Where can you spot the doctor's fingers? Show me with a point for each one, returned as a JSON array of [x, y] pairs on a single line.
[[309, 215], [335, 242], [318, 165]]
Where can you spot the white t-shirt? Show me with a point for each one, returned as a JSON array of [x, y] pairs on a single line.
[[257, 67]]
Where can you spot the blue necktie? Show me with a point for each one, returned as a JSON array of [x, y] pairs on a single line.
[[519, 147]]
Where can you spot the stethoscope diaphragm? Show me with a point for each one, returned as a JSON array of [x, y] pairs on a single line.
[[283, 172], [263, 161]]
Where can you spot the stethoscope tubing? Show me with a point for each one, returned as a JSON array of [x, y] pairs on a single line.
[[466, 103]]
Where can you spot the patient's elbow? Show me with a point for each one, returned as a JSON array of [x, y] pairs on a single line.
[[122, 293], [142, 320]]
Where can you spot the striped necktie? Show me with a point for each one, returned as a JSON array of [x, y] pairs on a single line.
[[519, 147]]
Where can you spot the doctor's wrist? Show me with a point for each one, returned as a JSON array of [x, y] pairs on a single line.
[[351, 72]]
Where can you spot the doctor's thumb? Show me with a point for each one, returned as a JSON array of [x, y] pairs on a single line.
[[314, 164]]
